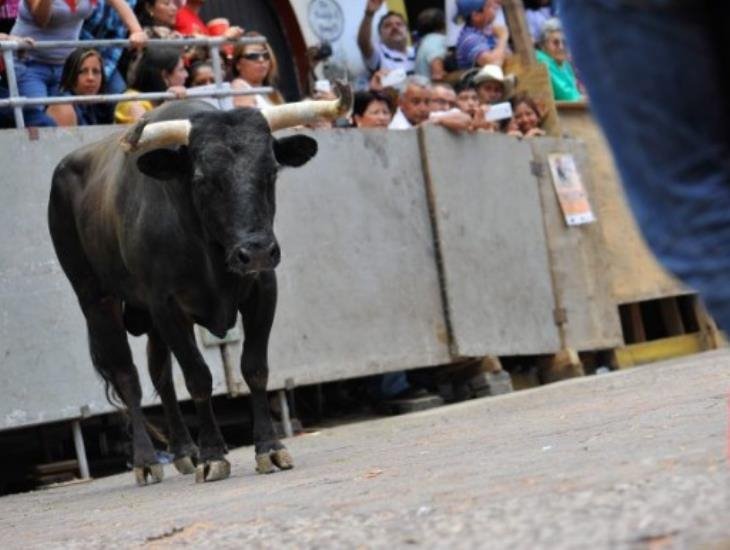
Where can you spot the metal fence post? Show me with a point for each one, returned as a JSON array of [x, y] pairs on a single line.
[[13, 86]]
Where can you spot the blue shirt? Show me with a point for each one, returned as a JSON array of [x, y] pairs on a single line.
[[470, 44], [105, 23]]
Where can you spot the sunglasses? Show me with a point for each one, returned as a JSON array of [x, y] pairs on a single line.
[[257, 56]]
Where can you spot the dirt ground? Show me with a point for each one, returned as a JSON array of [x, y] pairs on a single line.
[[637, 459]]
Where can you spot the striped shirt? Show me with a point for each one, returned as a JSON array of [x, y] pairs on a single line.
[[385, 58], [471, 44]]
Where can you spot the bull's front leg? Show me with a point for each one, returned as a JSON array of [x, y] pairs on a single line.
[[257, 309], [177, 331]]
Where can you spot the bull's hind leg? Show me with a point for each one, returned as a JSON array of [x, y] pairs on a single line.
[[108, 344], [177, 331], [112, 357], [257, 310], [160, 366]]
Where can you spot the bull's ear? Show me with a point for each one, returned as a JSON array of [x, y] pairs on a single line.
[[294, 150], [163, 164]]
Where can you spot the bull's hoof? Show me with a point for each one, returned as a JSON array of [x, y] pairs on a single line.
[[212, 470], [185, 465], [147, 475], [280, 458]]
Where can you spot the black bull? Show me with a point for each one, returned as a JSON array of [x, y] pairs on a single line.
[[154, 242]]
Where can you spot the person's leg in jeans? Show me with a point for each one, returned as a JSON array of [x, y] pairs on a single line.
[[656, 71], [37, 80]]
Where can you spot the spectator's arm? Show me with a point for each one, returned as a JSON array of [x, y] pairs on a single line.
[[136, 35], [40, 10], [437, 69], [454, 120], [499, 53], [64, 114], [365, 32]]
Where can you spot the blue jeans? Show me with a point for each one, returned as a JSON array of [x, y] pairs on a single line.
[[656, 73], [37, 80]]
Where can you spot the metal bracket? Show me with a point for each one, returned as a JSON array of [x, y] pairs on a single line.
[[537, 168], [560, 316]]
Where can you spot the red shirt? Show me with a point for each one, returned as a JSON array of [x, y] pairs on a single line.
[[188, 23]]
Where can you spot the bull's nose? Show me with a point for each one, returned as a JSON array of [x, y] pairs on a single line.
[[254, 257]]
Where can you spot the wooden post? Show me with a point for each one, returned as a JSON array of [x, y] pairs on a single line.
[[514, 11]]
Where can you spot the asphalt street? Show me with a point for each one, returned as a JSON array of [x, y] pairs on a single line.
[[635, 459]]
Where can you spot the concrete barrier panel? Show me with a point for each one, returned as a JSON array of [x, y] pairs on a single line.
[[490, 226], [358, 294], [46, 374], [358, 284], [580, 264]]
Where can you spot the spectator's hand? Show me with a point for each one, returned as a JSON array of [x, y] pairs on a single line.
[[138, 39], [180, 91], [376, 81], [233, 33], [373, 5], [535, 132], [480, 122], [500, 32]]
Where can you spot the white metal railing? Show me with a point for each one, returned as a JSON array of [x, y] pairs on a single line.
[[17, 102]]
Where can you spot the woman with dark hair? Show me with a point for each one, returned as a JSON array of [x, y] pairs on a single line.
[[255, 65], [157, 17], [372, 109], [83, 74], [158, 70], [528, 117]]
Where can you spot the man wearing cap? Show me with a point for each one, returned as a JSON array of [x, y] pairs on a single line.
[[480, 41], [492, 85], [392, 51]]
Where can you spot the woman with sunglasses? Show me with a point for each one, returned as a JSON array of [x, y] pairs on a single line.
[[255, 65], [554, 55]]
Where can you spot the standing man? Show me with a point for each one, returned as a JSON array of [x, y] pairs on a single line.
[[672, 150], [481, 42], [392, 51]]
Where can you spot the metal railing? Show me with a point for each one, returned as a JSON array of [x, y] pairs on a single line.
[[17, 102]]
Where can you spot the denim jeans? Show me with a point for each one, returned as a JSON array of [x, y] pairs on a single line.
[[37, 80], [656, 73]]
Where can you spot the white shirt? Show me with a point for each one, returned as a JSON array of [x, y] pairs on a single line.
[[385, 58], [399, 121]]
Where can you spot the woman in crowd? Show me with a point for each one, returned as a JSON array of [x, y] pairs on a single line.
[[158, 70], [82, 74], [200, 73], [431, 52], [554, 55], [157, 17], [39, 71], [527, 119], [255, 65], [372, 109]]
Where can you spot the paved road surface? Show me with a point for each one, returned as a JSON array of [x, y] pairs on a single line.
[[636, 459]]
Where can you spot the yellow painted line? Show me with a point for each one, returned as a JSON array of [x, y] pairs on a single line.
[[658, 350]]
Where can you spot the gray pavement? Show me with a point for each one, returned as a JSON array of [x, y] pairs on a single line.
[[637, 459]]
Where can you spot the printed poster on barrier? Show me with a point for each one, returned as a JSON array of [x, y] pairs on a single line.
[[569, 188]]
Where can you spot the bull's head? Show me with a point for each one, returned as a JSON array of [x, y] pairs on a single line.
[[231, 160]]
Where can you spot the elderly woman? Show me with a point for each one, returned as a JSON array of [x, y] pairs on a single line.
[[554, 55]]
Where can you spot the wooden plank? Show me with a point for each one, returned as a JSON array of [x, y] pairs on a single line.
[[671, 316], [524, 49], [636, 333], [658, 350], [636, 275]]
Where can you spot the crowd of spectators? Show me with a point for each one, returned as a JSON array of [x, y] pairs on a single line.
[[415, 77]]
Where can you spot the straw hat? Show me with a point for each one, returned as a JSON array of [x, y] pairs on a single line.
[[494, 72]]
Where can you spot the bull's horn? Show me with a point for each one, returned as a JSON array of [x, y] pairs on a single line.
[[145, 136], [302, 112]]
